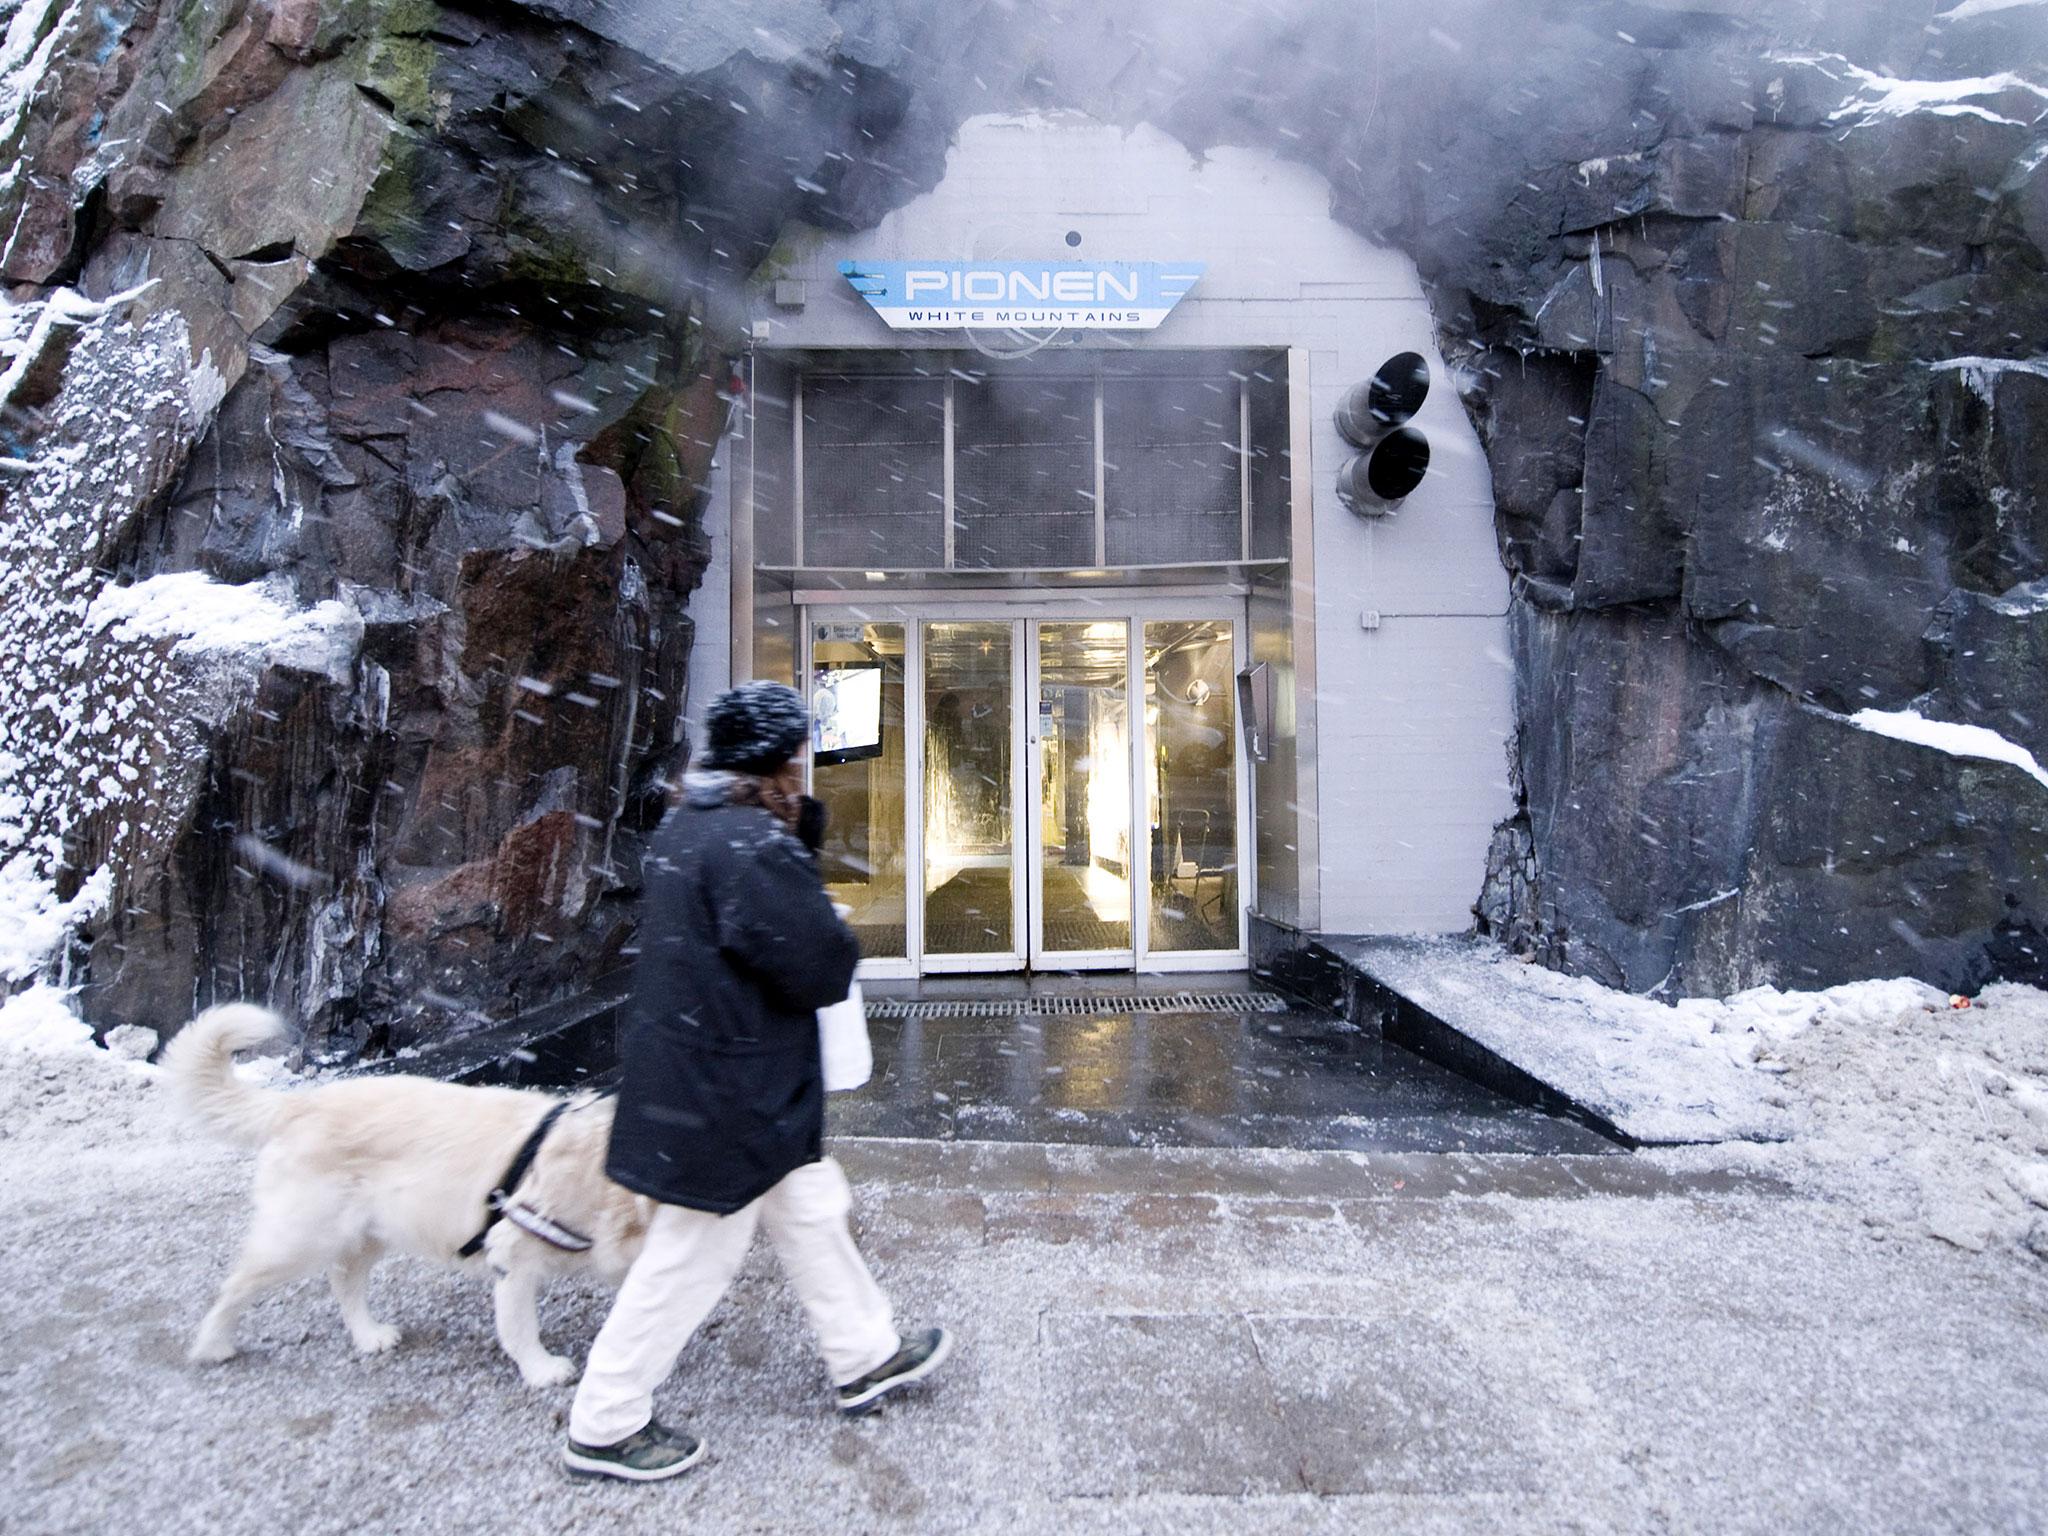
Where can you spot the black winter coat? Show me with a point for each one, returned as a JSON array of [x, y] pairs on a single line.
[[739, 948]]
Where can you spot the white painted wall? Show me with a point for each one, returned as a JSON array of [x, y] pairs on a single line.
[[1413, 717]]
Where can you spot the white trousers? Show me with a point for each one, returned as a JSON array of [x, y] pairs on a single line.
[[690, 1260]]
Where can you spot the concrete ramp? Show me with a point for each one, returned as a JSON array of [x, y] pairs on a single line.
[[1627, 1065]]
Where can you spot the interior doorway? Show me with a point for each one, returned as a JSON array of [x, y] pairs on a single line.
[[1055, 791]]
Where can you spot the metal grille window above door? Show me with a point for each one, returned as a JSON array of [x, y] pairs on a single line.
[[874, 472], [1024, 472], [938, 461], [1173, 484]]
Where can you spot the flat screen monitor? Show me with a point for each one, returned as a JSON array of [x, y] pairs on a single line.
[[846, 713]]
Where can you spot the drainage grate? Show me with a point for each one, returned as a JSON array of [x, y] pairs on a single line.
[[1074, 1004]]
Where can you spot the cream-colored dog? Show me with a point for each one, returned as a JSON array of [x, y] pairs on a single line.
[[354, 1170]]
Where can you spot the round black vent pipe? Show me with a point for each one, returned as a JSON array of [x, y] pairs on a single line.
[[1393, 457], [1385, 400]]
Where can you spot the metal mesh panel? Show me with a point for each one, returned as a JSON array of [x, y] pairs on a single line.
[[1272, 506], [874, 472], [1024, 472], [1171, 482], [1025, 466]]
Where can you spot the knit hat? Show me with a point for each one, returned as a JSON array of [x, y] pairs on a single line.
[[754, 728]]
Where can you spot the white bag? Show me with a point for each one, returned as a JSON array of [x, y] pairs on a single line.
[[843, 1043]]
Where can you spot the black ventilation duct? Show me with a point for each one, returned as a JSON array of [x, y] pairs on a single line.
[[1385, 400], [1393, 457], [1382, 477]]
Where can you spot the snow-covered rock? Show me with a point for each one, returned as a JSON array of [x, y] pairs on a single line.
[[39, 1020], [1948, 736], [1880, 96], [33, 921], [258, 622], [131, 1042]]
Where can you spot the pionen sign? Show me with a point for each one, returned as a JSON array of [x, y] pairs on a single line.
[[1027, 295]]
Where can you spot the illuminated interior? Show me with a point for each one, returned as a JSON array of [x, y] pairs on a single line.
[[1046, 834], [865, 857], [968, 837], [1191, 784], [1084, 786]]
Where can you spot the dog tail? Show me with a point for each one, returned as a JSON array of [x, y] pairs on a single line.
[[199, 1064]]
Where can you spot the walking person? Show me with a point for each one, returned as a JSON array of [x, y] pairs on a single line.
[[721, 1112]]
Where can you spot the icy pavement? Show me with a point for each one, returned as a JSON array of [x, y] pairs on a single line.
[[1713, 1339]]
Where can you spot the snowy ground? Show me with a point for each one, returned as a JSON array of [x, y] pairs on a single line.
[[1931, 1118], [1716, 1339]]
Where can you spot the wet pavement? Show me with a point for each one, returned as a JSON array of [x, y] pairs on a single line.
[[1116, 1062], [1109, 1059]]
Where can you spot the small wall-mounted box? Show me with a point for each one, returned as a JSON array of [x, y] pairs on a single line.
[[789, 293], [1370, 619]]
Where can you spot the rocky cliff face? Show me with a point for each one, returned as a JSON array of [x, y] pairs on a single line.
[[408, 330], [396, 333], [1759, 416]]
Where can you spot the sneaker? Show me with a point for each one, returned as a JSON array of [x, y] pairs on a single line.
[[917, 1359], [647, 1455]]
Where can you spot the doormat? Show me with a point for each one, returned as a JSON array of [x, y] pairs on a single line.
[[1075, 1004]]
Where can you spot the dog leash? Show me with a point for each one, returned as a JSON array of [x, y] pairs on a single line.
[[502, 1195]]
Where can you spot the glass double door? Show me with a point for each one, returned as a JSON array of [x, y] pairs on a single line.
[[1055, 792]]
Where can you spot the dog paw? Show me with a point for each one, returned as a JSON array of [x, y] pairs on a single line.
[[549, 1371], [211, 1351], [377, 1338]]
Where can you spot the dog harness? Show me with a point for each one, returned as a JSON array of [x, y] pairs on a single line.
[[500, 1198]]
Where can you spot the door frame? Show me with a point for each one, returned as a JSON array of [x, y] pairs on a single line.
[[1023, 609]]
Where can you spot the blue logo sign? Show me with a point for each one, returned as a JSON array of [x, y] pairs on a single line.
[[1022, 295]]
